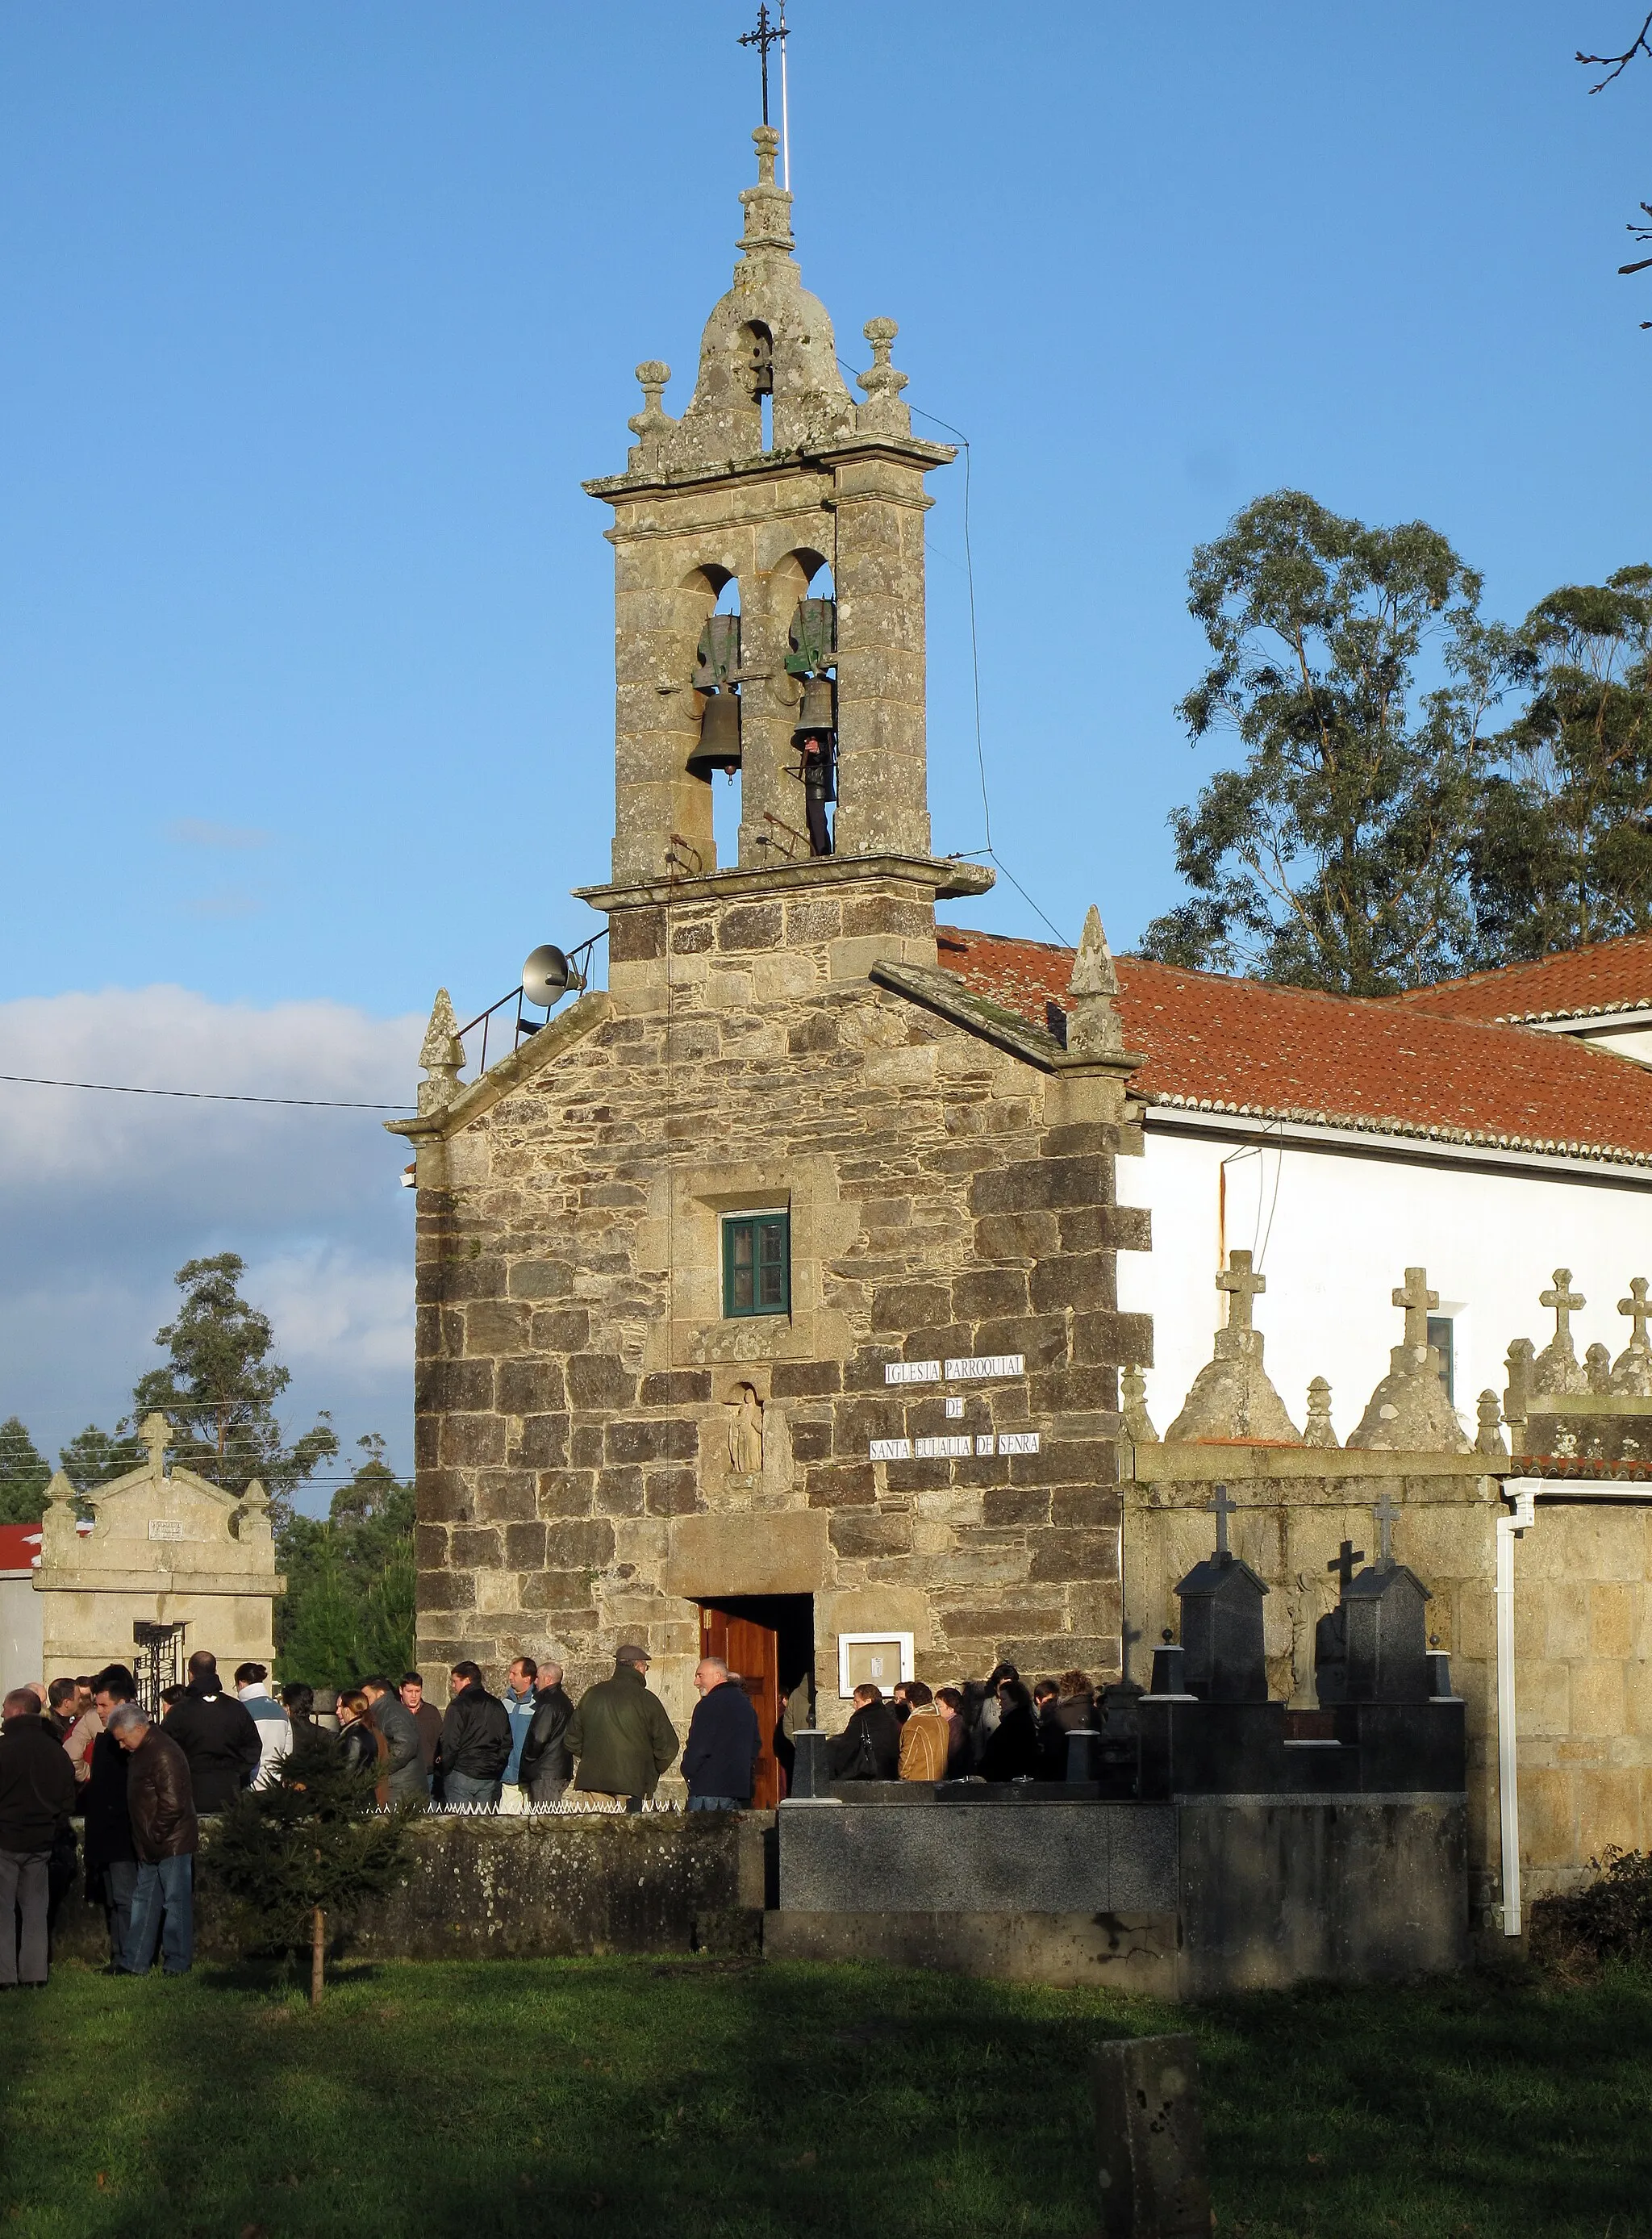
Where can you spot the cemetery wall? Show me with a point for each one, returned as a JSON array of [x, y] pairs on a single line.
[[1584, 1681], [555, 1885], [1582, 1619]]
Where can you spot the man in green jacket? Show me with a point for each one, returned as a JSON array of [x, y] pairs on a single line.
[[621, 1736]]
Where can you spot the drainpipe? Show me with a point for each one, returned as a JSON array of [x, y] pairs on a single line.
[[1523, 1493]]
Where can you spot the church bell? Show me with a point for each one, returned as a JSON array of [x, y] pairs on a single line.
[[719, 746], [816, 712]]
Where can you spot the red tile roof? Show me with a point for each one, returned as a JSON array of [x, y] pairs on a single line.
[[1608, 975], [19, 1546], [1387, 1067]]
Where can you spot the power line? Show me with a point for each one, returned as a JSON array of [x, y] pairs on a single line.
[[201, 1095]]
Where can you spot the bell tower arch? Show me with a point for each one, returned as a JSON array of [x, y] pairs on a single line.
[[776, 478]]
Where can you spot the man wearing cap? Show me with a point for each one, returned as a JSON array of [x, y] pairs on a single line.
[[621, 1735]]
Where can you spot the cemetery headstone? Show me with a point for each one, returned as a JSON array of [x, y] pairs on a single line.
[[1330, 1633], [1386, 1613], [1150, 2139], [1222, 1641]]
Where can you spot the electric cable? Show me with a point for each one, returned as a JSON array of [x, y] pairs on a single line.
[[201, 1095]]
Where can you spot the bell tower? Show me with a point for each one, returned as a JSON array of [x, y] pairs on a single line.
[[776, 482]]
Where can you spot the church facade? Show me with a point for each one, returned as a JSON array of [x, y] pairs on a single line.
[[768, 1297]]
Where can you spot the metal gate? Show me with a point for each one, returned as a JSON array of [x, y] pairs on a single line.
[[159, 1662]]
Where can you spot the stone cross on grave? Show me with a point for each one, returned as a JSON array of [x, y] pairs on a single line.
[[1224, 1508], [1636, 1306], [1565, 1302], [155, 1434], [1387, 1513], [1242, 1287], [1343, 1562], [1419, 1302]]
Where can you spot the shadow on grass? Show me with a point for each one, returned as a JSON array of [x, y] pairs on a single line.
[[706, 2098]]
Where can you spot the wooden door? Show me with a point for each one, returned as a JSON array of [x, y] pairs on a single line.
[[753, 1651]]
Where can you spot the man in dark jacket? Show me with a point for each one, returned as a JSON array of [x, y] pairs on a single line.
[[404, 1765], [621, 1736], [475, 1748], [35, 1800], [111, 1856], [216, 1734], [546, 1768], [425, 1715], [869, 1746], [720, 1763], [165, 1835]]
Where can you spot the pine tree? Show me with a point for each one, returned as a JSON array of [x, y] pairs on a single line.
[[311, 1848], [94, 1456], [25, 1475], [348, 1607]]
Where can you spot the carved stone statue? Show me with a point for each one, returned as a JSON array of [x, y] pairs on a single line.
[[746, 1432]]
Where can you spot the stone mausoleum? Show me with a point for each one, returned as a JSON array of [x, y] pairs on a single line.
[[766, 1299]]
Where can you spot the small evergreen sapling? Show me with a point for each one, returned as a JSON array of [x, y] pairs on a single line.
[[311, 1844]]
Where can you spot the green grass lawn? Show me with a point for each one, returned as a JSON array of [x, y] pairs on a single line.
[[702, 2099]]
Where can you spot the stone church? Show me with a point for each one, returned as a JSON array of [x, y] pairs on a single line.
[[767, 1298]]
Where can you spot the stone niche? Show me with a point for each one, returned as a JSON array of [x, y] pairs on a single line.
[[172, 1563]]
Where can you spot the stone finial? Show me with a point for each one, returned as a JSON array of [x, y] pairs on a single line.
[[1632, 1370], [1232, 1397], [1597, 1367], [155, 1434], [58, 1536], [1132, 1408], [1556, 1372], [1488, 1438], [883, 413], [767, 206], [1516, 1399], [1409, 1410], [1318, 1430], [1094, 1028], [653, 425], [442, 1055], [255, 1513]]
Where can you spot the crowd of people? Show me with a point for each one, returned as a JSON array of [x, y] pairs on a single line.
[[997, 1729], [87, 1749]]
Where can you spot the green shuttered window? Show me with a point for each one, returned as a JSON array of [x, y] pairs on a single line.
[[756, 1263]]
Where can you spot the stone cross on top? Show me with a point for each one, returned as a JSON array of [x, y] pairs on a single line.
[[1636, 1306], [1564, 1300], [1242, 1287], [1419, 1302], [155, 1434], [1387, 1513], [1224, 1508]]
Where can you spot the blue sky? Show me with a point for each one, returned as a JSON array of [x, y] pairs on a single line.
[[317, 315]]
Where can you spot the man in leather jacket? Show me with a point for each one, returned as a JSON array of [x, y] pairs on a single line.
[[547, 1767], [166, 1837], [475, 1748]]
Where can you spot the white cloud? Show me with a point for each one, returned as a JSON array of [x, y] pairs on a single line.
[[103, 1196]]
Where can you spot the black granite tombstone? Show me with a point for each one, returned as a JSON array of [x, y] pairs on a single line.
[[1385, 1611], [1221, 1597]]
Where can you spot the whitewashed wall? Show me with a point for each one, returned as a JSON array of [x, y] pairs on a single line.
[[1334, 1235], [19, 1632]]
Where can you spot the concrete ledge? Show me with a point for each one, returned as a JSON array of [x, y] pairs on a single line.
[[1126, 1951]]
